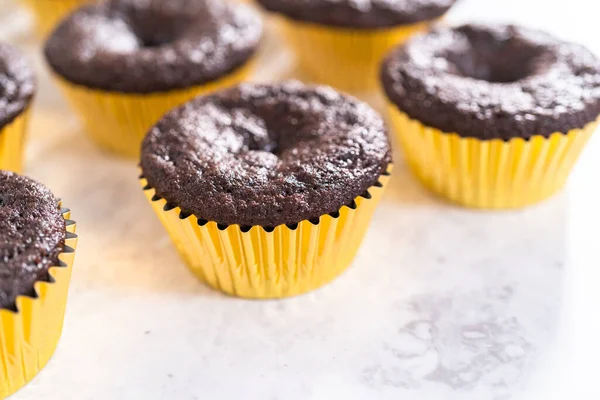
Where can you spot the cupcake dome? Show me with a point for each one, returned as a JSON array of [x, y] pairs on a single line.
[[266, 154], [494, 82]]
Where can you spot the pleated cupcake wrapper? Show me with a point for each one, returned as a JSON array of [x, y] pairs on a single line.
[[49, 13], [29, 336], [491, 174], [258, 262], [345, 58], [118, 122], [12, 143]]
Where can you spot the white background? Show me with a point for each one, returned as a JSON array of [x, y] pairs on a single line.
[[441, 303]]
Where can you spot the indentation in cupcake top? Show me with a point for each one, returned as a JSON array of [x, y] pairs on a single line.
[[266, 154], [487, 57], [497, 81]]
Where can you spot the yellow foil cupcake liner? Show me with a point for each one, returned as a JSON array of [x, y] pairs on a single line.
[[491, 174], [118, 122], [257, 262], [12, 143], [29, 336], [49, 13], [345, 58]]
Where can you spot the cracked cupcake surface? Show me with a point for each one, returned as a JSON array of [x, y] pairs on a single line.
[[266, 154], [17, 84], [494, 82], [360, 13], [32, 235], [141, 46]]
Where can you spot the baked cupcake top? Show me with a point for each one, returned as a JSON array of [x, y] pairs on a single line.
[[266, 154], [145, 46], [494, 82], [32, 234], [17, 84], [360, 13]]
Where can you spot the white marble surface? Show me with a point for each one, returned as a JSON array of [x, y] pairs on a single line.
[[441, 303]]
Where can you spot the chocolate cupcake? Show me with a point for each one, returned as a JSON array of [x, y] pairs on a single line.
[[341, 42], [17, 87], [492, 116], [37, 244], [48, 13], [267, 190], [124, 63]]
